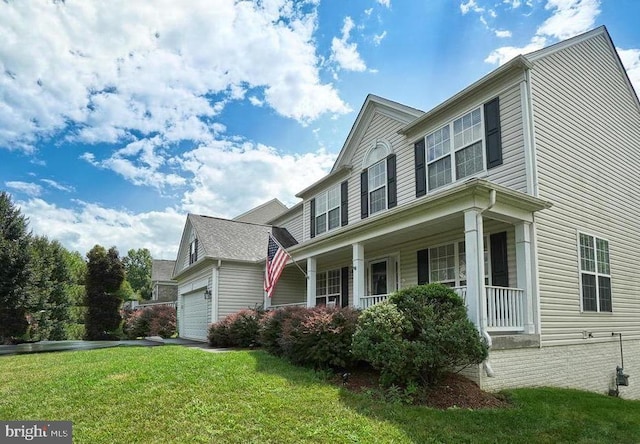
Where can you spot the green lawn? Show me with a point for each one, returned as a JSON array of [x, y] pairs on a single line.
[[173, 394]]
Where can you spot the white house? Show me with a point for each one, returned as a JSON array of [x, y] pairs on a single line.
[[521, 192]]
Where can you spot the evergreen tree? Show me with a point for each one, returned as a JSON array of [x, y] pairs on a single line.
[[47, 299], [105, 274], [14, 270], [76, 292], [137, 264]]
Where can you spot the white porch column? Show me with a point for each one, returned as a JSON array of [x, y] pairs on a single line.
[[358, 274], [524, 276], [311, 282], [474, 254]]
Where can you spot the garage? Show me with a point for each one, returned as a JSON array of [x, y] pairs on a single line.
[[195, 317]]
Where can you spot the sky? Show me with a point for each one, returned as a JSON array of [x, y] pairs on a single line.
[[118, 118]]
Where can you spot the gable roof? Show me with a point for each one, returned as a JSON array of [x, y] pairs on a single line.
[[372, 103], [162, 270], [263, 213]]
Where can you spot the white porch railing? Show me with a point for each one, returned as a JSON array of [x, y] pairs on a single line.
[[368, 301], [504, 309], [155, 304], [504, 306], [293, 304]]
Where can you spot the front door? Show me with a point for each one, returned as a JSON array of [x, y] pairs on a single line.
[[379, 277]]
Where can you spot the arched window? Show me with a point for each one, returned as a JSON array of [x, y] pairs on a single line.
[[378, 185]]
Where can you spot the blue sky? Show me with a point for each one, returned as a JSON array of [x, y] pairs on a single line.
[[118, 118]]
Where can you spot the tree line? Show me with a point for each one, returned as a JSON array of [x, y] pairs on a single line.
[[50, 293]]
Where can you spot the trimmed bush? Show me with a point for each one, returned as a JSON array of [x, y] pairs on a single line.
[[150, 321], [271, 327], [418, 335], [319, 337], [236, 330]]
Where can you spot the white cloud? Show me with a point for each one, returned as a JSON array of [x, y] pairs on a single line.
[[58, 186], [230, 178], [568, 18], [377, 39], [471, 5], [385, 3], [505, 33], [89, 224], [512, 3], [368, 12], [28, 188], [120, 67], [631, 60], [346, 54], [141, 162]]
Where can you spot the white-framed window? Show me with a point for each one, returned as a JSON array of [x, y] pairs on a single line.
[[448, 264], [328, 286], [328, 210], [193, 249], [378, 187], [456, 150], [595, 273]]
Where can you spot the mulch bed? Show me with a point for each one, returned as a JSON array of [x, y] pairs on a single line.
[[454, 391]]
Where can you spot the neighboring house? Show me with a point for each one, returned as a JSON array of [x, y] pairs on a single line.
[[219, 270], [520, 192], [164, 287]]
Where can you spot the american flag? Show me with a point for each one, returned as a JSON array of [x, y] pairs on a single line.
[[276, 260]]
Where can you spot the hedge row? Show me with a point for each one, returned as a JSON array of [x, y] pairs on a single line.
[[319, 337], [150, 321]]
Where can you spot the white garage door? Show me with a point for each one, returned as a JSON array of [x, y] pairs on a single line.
[[195, 317]]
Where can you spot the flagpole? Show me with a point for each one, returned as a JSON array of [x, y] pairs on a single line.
[[290, 257]]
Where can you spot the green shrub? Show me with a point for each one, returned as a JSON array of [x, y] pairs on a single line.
[[159, 320], [418, 335], [271, 327], [236, 330], [319, 337]]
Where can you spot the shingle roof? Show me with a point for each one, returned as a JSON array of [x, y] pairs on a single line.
[[233, 240], [263, 213], [162, 270]]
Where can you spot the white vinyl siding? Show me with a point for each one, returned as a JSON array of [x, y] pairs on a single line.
[[292, 223], [291, 287], [586, 127], [241, 286]]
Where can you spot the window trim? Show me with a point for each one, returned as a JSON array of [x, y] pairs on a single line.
[[453, 150], [457, 281], [597, 274], [325, 214], [327, 295], [382, 187]]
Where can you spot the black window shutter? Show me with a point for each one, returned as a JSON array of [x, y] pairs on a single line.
[[499, 262], [344, 284], [195, 250], [312, 204], [421, 168], [423, 267], [493, 138], [364, 194], [392, 192], [344, 203]]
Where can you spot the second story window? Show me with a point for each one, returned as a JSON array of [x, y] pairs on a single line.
[[378, 180], [193, 249], [327, 210], [463, 147]]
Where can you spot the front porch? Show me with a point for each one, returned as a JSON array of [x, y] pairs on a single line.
[[475, 240], [504, 307]]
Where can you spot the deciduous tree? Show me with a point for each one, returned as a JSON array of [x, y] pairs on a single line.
[[137, 264]]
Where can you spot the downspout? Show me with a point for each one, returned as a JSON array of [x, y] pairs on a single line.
[[487, 337]]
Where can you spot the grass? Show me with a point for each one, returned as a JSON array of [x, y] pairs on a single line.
[[174, 394]]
